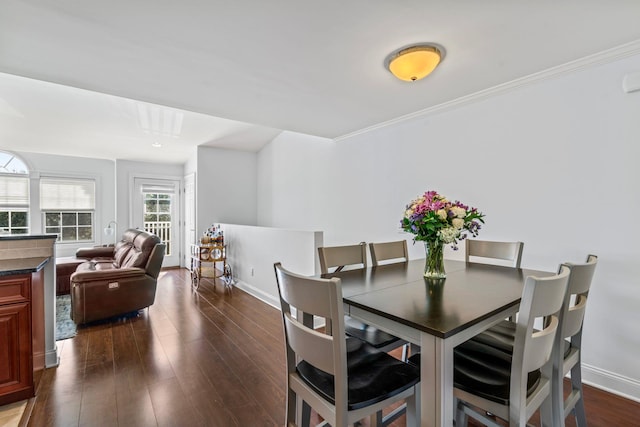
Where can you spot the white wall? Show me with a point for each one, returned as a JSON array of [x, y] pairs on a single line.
[[191, 165], [252, 251], [293, 171], [553, 164], [102, 171], [226, 183]]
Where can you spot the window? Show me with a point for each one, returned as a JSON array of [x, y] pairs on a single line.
[[14, 195], [14, 221], [70, 226], [157, 216], [157, 207], [68, 207]]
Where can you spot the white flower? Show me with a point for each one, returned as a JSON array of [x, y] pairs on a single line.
[[448, 235], [458, 223], [442, 214], [459, 212], [408, 213]]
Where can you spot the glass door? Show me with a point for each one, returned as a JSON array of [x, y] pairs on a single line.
[[156, 211]]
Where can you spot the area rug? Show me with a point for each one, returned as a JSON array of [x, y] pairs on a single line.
[[65, 328]]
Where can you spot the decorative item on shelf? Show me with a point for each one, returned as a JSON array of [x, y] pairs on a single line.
[[213, 234], [436, 221]]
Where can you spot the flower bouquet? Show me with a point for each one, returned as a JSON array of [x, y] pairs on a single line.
[[436, 221]]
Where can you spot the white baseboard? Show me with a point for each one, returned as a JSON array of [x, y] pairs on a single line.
[[268, 299], [261, 295], [611, 382]]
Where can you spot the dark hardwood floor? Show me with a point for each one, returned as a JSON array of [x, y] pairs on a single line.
[[210, 358]]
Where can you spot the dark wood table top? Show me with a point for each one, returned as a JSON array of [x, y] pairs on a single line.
[[470, 293]]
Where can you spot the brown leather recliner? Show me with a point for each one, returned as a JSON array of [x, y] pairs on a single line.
[[116, 280]]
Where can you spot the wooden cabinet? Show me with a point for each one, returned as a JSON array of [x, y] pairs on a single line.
[[16, 350]]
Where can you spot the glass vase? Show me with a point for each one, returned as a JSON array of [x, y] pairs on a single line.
[[434, 262]]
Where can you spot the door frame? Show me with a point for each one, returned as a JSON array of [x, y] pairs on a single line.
[[189, 235], [177, 228]]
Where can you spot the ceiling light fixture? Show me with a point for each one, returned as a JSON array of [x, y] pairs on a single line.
[[414, 62], [156, 145]]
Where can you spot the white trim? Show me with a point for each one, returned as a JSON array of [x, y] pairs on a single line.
[[184, 258], [36, 213], [599, 58], [131, 188], [257, 293], [611, 382], [269, 300], [131, 184]]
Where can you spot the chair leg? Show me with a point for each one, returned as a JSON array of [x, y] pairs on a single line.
[[557, 393], [576, 384], [462, 419], [413, 408], [546, 413], [306, 414], [291, 408]]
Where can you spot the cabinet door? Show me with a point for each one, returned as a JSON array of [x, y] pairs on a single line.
[[16, 374]]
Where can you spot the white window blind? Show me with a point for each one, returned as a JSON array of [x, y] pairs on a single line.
[[158, 187], [14, 191], [67, 194]]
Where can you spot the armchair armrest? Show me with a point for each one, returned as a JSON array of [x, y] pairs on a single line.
[[96, 252], [106, 275]]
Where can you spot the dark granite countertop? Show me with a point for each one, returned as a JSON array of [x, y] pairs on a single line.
[[10, 267], [28, 236]]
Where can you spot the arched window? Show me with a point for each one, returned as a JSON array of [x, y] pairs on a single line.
[[14, 194]]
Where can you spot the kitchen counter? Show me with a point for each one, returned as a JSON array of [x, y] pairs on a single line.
[[9, 267], [28, 237]]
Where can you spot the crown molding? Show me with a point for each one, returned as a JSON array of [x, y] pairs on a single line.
[[600, 58]]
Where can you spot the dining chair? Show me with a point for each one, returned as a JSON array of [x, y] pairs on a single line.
[[489, 252], [567, 354], [388, 251], [343, 380], [355, 256], [513, 382], [339, 257]]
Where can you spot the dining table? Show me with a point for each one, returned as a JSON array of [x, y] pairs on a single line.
[[436, 314]]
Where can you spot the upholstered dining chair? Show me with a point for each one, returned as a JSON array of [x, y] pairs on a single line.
[[355, 256], [489, 252], [388, 251], [343, 380], [514, 381]]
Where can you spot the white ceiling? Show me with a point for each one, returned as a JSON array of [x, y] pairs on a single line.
[[238, 72]]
